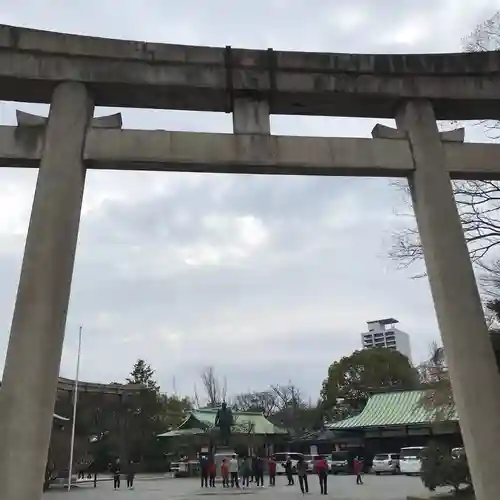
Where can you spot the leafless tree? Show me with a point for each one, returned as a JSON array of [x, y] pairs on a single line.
[[438, 396], [290, 405], [196, 398], [433, 368], [215, 391], [287, 395], [263, 401], [244, 427], [478, 201]]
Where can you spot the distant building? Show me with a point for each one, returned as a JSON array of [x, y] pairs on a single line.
[[383, 333]]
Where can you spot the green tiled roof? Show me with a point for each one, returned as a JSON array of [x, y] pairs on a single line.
[[181, 432], [393, 408], [244, 422]]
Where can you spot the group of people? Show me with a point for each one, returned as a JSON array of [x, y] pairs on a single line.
[[244, 471], [302, 467], [237, 472], [321, 469], [116, 470]]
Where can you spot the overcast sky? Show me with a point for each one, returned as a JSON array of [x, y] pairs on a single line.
[[268, 279]]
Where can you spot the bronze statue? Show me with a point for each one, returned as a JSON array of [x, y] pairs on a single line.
[[224, 421]]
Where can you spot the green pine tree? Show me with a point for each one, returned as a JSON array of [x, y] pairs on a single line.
[[142, 373]]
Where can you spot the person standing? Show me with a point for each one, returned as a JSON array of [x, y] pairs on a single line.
[[212, 471], [204, 471], [321, 467], [131, 475], [93, 469], [246, 472], [357, 465], [302, 474], [259, 472], [289, 471], [224, 469], [233, 470], [271, 464], [253, 473], [117, 470]]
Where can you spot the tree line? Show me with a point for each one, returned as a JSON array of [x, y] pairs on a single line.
[[127, 425]]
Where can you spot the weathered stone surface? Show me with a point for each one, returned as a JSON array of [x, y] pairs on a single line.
[[384, 132], [470, 359], [460, 86], [457, 135], [247, 153], [36, 337], [30, 120]]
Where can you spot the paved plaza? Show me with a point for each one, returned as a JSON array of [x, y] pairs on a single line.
[[340, 487]]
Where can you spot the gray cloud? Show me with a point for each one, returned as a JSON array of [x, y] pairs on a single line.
[[267, 279]]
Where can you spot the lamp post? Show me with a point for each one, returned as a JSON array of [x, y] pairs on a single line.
[[123, 416], [75, 400]]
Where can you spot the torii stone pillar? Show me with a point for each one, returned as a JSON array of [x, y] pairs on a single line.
[[473, 371], [31, 370], [251, 116]]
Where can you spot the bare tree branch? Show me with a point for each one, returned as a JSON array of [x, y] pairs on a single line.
[[215, 393], [265, 402]]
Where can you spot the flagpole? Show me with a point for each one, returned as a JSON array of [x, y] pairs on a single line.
[[75, 399]]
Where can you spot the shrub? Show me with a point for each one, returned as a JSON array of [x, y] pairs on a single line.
[[439, 468]]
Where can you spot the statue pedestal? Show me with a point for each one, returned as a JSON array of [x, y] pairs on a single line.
[[221, 453], [224, 451]]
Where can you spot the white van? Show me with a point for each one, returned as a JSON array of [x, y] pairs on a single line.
[[409, 460]]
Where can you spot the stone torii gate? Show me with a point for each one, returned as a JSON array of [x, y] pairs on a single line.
[[75, 73]]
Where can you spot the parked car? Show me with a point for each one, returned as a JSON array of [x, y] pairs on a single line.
[[410, 462], [457, 452], [189, 468], [339, 462], [175, 467], [280, 459], [386, 463]]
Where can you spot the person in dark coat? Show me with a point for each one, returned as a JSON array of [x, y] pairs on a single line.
[[93, 469], [259, 472], [204, 471], [253, 474], [116, 470], [289, 471], [246, 472], [212, 472], [302, 474], [130, 475]]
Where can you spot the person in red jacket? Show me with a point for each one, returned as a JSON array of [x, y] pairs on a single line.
[[271, 464], [212, 471], [357, 465], [321, 466], [224, 469]]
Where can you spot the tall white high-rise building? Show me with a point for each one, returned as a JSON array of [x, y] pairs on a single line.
[[383, 333]]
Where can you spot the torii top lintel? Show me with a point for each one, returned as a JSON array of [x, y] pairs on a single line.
[[153, 75]]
